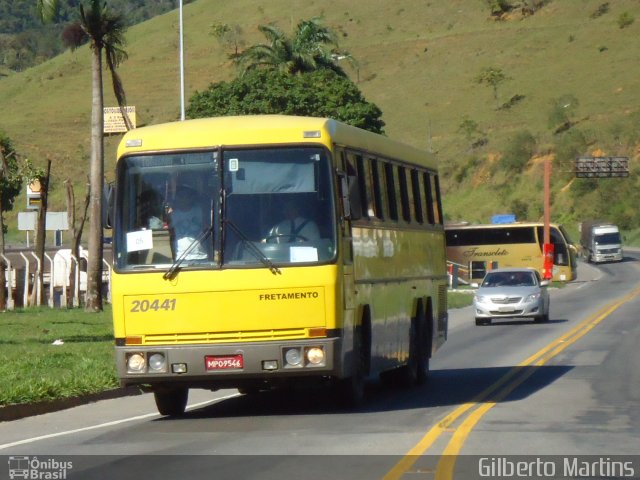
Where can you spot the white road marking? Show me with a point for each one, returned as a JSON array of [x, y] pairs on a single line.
[[108, 424]]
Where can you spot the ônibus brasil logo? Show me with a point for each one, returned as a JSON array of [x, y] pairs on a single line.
[[38, 469]]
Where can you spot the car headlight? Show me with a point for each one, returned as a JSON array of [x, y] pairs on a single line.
[[533, 297], [479, 298]]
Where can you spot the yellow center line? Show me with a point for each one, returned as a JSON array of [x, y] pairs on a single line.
[[444, 470]]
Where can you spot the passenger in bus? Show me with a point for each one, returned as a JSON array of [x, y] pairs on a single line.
[[295, 227], [150, 210], [187, 223]]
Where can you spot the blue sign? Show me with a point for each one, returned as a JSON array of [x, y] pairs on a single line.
[[503, 218]]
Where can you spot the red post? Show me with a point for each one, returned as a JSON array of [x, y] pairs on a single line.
[[547, 259], [547, 246]]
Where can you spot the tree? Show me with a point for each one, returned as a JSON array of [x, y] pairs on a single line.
[[9, 189], [104, 30], [493, 77], [322, 93], [228, 35], [12, 175], [307, 50]]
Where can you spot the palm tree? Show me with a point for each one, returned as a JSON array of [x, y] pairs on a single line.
[[104, 30], [307, 50]]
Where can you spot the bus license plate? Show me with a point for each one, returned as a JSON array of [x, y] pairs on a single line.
[[223, 362]]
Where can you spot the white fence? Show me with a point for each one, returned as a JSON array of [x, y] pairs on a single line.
[[58, 270]]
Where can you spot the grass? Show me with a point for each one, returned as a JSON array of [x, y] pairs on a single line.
[[462, 297], [34, 369]]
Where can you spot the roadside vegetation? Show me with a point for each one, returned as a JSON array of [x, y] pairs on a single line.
[[462, 297], [49, 354]]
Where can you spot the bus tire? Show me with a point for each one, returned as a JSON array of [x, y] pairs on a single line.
[[425, 329], [171, 401], [409, 374], [352, 389]]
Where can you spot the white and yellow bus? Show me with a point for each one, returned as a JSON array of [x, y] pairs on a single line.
[[236, 305], [479, 248]]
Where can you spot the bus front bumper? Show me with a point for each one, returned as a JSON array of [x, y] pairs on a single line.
[[227, 365]]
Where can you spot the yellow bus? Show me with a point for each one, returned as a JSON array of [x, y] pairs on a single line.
[[214, 292], [478, 248]]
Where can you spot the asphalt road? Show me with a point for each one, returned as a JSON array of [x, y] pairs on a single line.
[[555, 392]]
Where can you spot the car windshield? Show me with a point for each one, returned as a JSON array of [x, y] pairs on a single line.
[[509, 279]]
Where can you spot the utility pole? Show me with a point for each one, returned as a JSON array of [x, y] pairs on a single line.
[[181, 66]]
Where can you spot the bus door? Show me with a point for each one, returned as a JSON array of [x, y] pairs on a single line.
[[349, 208]]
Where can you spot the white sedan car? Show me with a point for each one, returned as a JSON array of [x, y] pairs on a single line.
[[509, 293]]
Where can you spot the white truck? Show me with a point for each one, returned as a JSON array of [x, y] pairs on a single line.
[[600, 241]]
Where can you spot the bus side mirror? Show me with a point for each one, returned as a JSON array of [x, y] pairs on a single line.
[[349, 192], [107, 205]]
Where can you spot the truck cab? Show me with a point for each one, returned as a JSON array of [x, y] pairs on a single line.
[[601, 242]]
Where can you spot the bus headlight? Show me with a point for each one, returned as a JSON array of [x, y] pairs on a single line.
[[135, 363], [315, 355], [293, 357], [157, 362]]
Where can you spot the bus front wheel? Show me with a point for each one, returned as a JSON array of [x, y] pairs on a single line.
[[171, 401]]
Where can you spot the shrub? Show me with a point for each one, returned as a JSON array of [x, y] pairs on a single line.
[[518, 152], [625, 19], [601, 10]]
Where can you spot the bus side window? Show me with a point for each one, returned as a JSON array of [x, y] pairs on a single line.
[[436, 199], [418, 195], [392, 191], [478, 269], [431, 216], [378, 190], [353, 187], [364, 183], [406, 196]]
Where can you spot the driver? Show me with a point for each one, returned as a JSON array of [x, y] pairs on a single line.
[[186, 221], [294, 227]]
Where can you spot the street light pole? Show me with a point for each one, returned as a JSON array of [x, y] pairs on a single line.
[[181, 66]]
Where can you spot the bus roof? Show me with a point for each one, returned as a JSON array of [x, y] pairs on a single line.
[[249, 130]]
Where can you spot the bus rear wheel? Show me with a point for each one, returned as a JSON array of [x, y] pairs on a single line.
[[171, 401], [351, 390], [424, 346]]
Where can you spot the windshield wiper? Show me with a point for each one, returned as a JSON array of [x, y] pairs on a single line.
[[259, 254], [173, 270]]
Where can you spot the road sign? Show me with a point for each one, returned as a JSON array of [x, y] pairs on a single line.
[[114, 121], [601, 167], [34, 195]]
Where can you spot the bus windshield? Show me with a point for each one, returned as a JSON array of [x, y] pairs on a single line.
[[224, 208]]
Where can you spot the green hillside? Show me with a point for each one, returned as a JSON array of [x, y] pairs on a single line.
[[418, 61]]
